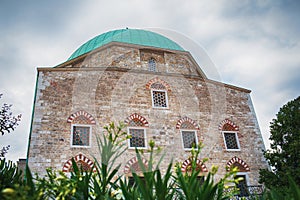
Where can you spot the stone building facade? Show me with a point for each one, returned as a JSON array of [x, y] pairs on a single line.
[[155, 87]]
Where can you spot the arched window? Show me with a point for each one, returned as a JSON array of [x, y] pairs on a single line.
[[230, 135], [83, 163], [188, 129], [187, 166], [159, 95], [134, 166], [152, 65], [242, 173], [137, 131], [159, 89], [81, 129]]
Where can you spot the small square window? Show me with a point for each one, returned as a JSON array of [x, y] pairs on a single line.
[[81, 136], [138, 138], [231, 141], [159, 99], [189, 139]]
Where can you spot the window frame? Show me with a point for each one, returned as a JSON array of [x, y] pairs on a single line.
[[132, 182], [246, 175], [188, 130], [236, 138], [90, 136], [166, 97], [151, 64], [145, 137]]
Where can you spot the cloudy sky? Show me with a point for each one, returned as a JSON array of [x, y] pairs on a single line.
[[253, 44]]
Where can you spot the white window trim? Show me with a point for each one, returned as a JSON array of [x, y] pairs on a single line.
[[237, 141], [166, 95], [244, 174], [189, 130], [145, 137], [90, 136]]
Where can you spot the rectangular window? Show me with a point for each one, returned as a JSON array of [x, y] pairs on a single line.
[[231, 141], [138, 138], [159, 99], [242, 185], [200, 179], [131, 181], [189, 139], [81, 136]]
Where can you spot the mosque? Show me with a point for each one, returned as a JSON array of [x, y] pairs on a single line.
[[158, 90]]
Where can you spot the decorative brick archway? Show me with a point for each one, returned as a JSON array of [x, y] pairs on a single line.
[[237, 162], [80, 158], [157, 80], [228, 125], [133, 163], [185, 167], [186, 120], [138, 117], [81, 113]]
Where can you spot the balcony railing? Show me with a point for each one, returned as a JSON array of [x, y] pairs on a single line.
[[247, 192]]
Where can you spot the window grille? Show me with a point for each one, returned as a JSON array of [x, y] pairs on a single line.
[[152, 65], [135, 122], [231, 140], [137, 138], [187, 125], [81, 135], [158, 86], [189, 139], [159, 99]]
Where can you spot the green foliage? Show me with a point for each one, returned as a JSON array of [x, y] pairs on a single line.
[[9, 174], [110, 147], [8, 122], [284, 156], [292, 193], [150, 184], [190, 187], [17, 187]]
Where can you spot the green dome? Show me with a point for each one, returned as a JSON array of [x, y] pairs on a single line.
[[130, 36]]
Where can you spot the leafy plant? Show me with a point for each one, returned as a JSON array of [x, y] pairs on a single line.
[[152, 184], [191, 188], [110, 147], [284, 155], [23, 188], [293, 192], [8, 122], [9, 174]]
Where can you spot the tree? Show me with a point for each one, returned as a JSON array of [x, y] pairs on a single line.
[[8, 123], [284, 155]]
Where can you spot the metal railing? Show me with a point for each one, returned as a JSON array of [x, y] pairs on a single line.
[[247, 192]]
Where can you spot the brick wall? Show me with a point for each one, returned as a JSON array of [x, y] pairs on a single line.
[[113, 83]]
